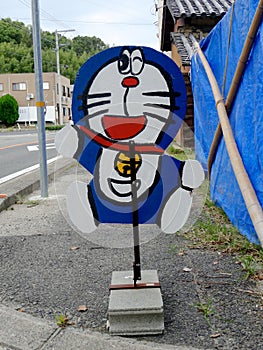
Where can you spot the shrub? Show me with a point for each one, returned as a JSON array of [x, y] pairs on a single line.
[[8, 110]]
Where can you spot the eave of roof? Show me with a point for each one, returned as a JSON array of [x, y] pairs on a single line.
[[185, 46], [193, 8]]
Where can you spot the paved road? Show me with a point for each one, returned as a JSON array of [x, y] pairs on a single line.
[[19, 151]]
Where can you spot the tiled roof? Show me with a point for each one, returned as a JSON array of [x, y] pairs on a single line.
[[191, 8], [184, 46]]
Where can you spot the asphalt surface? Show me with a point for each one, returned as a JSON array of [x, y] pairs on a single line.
[[49, 269]]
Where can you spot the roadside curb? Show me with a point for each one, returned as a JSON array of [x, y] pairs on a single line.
[[28, 183], [22, 331]]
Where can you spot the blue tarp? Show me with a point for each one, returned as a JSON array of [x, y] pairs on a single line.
[[246, 117]]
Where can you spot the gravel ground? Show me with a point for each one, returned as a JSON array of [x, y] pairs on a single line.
[[48, 269]]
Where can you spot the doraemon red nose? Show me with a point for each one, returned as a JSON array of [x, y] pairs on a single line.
[[129, 82], [123, 128]]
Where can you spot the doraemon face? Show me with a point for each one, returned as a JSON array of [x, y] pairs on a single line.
[[131, 97]]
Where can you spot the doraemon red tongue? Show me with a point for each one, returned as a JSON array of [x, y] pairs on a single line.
[[123, 128]]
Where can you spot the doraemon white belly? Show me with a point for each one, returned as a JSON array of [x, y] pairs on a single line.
[[118, 188]]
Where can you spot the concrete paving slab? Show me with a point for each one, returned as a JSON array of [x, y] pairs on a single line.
[[22, 331], [71, 339]]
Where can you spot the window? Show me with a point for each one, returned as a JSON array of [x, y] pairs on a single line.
[[64, 90], [18, 86], [68, 91], [45, 85], [1, 87]]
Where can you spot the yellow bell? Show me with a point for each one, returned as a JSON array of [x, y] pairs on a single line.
[[123, 164]]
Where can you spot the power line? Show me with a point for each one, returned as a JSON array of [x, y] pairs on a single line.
[[104, 22]]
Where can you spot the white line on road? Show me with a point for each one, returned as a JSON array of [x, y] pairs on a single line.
[[36, 147], [25, 171]]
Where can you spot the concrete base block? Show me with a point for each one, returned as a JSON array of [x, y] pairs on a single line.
[[135, 311]]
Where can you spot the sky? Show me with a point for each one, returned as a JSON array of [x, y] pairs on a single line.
[[116, 22]]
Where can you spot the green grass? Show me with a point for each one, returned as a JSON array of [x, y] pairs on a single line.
[[206, 309], [179, 152], [214, 231]]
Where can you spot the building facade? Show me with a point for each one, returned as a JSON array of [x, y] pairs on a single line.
[[181, 23], [22, 87]]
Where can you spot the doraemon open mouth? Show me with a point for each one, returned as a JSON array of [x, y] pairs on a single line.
[[123, 128], [121, 188]]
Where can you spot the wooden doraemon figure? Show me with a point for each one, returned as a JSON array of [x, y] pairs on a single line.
[[123, 98]]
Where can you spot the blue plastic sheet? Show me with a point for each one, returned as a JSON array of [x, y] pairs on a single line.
[[246, 117]]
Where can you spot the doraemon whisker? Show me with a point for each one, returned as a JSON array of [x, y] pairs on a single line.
[[155, 116], [162, 93], [157, 105], [99, 95], [157, 93], [101, 112], [99, 103]]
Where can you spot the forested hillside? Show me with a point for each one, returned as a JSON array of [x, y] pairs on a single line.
[[16, 50]]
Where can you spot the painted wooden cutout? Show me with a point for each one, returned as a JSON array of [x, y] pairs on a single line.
[[126, 94]]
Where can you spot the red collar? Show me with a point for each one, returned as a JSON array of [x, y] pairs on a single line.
[[119, 146]]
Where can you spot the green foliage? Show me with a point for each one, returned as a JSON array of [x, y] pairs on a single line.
[[54, 127], [8, 110], [62, 320], [16, 50], [206, 309], [88, 45], [11, 31]]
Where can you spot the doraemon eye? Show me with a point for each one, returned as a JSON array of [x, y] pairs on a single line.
[[137, 62], [124, 62]]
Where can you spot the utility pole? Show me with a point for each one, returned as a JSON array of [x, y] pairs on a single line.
[[58, 72], [40, 104]]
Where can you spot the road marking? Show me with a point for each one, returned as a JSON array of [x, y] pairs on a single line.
[[25, 171], [36, 147], [21, 144]]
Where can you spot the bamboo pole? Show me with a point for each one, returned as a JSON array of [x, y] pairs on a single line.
[[257, 19], [246, 188]]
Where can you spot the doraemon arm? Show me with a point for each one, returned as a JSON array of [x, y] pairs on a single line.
[[71, 142]]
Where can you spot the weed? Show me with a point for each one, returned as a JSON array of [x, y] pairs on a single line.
[[31, 203], [249, 265], [206, 309], [62, 320], [172, 248], [19, 199]]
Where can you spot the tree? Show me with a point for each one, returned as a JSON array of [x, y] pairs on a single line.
[[16, 50], [87, 44], [8, 110]]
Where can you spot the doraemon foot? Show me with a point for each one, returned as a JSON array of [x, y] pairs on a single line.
[[79, 208], [176, 211]]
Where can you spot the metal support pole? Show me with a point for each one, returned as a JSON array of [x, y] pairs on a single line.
[[135, 218], [61, 121], [40, 104], [59, 82]]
